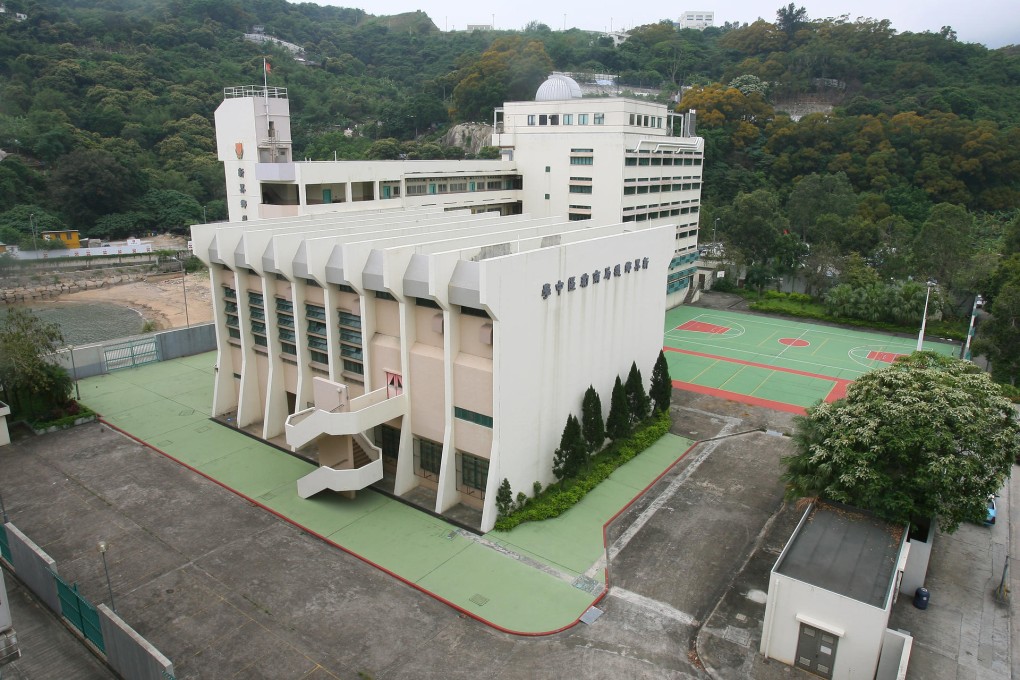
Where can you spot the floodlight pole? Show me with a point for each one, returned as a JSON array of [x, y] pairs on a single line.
[[978, 301], [924, 318]]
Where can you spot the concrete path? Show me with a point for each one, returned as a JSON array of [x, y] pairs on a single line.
[[538, 579], [48, 649]]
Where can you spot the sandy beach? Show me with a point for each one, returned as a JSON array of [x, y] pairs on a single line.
[[160, 299]]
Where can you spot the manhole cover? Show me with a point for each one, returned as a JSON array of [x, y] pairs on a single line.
[[164, 443], [204, 428], [480, 600], [187, 412], [268, 496], [592, 615], [588, 585]]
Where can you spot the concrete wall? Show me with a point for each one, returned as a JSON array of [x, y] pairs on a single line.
[[917, 562], [859, 627], [128, 653], [185, 342], [548, 351], [896, 647], [34, 567]]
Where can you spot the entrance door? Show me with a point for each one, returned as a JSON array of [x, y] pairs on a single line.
[[327, 195], [816, 651]]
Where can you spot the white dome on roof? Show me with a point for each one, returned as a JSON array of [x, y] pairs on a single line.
[[557, 88]]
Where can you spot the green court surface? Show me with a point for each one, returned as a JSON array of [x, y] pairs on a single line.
[[521, 581], [774, 362]]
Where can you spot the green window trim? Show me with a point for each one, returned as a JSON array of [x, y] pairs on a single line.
[[430, 457], [472, 417]]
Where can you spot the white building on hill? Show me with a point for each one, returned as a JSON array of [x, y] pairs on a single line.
[[427, 326]]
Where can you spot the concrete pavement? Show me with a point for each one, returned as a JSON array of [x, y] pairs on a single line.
[[228, 590]]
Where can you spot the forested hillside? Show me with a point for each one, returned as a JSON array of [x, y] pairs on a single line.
[[106, 116]]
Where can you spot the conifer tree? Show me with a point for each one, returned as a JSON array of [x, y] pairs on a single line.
[[661, 390], [572, 452], [618, 422], [592, 425], [638, 402], [504, 498]]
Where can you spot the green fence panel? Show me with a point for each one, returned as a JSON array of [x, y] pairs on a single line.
[[5, 548], [80, 612]]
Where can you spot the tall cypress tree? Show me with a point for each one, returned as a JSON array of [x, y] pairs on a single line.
[[662, 387], [637, 399], [592, 425], [572, 452], [618, 422]]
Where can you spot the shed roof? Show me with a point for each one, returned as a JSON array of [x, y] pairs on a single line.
[[846, 551]]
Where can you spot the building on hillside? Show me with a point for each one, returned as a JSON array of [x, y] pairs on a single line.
[[697, 19], [831, 593], [428, 325], [69, 237]]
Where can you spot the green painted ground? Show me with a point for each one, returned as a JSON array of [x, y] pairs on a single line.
[[749, 358], [167, 405]]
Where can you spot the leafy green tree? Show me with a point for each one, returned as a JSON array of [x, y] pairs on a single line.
[[88, 183], [999, 336], [754, 223], [510, 70], [817, 195], [790, 18], [661, 390], [592, 425], [929, 436], [943, 242], [638, 402], [572, 452], [618, 421], [27, 368]]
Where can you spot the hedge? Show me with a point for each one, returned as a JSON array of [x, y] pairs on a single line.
[[557, 499]]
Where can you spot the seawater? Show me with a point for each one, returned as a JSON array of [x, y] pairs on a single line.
[[83, 323]]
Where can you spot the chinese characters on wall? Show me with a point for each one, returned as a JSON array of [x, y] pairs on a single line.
[[597, 276]]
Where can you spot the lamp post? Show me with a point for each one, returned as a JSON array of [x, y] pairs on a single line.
[[924, 318], [31, 223], [714, 227], [74, 372], [102, 551], [978, 302], [184, 289]]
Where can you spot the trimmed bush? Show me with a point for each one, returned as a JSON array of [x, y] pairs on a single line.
[[559, 498]]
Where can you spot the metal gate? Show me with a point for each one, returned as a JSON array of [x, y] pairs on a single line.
[[128, 354], [5, 547], [80, 612]]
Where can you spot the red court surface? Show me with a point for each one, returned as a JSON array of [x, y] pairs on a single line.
[[794, 342], [887, 357], [702, 327]]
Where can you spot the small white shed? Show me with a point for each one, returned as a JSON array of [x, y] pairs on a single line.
[[831, 593]]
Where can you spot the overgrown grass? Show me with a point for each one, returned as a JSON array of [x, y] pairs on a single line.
[[560, 497]]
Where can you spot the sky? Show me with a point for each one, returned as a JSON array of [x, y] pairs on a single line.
[[993, 23]]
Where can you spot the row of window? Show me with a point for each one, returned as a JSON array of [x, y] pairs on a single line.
[[657, 188], [657, 214], [566, 118], [472, 471], [661, 160], [645, 121], [444, 187]]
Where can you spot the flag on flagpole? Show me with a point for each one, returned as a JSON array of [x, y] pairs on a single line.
[[269, 67]]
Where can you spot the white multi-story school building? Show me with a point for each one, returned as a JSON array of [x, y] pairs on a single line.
[[428, 326]]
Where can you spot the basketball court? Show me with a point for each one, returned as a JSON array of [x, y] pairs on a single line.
[[776, 363]]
